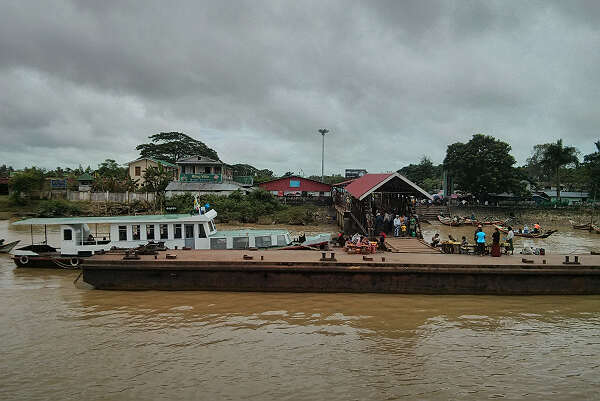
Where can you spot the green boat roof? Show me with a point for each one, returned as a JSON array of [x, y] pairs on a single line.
[[143, 218], [245, 233]]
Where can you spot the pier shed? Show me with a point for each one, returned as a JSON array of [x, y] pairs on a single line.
[[357, 201]]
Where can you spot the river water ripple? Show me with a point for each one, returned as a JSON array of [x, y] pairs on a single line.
[[64, 342]]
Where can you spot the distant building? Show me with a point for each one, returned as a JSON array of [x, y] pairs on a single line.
[[203, 169], [355, 173], [138, 167], [85, 182], [296, 186], [566, 196]]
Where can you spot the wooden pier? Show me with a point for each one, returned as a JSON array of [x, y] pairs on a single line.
[[313, 271]]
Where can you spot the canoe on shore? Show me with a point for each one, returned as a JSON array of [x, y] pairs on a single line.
[[586, 226], [528, 235], [450, 221], [476, 222]]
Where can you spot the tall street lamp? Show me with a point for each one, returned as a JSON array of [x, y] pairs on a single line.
[[323, 131]]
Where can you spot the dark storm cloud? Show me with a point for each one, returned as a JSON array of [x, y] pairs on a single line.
[[84, 81]]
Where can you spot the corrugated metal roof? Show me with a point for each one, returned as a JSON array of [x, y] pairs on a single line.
[[143, 218], [157, 161], [368, 183], [566, 194]]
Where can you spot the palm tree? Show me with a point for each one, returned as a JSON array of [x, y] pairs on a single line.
[[555, 156]]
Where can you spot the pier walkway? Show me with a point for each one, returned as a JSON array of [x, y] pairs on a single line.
[[409, 245]]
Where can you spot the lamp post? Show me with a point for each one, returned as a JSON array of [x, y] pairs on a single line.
[[323, 131]]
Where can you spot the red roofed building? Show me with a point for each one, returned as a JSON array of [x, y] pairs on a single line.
[[296, 186], [355, 200]]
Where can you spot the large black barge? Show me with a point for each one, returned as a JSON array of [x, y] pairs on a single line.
[[310, 271]]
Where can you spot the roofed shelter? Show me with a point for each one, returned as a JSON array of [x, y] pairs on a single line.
[[364, 196]]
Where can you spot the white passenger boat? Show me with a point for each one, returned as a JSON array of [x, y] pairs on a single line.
[[80, 236]]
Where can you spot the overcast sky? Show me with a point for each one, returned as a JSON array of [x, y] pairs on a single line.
[[82, 81]]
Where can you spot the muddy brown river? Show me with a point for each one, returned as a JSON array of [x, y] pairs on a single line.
[[59, 341]]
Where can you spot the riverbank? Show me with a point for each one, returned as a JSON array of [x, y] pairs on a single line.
[[306, 215], [554, 217]]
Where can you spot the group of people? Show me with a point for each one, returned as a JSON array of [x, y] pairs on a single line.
[[536, 229], [398, 225], [480, 240]]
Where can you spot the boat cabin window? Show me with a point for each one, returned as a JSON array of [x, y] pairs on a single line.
[[201, 231], [122, 233], [281, 240], [177, 233], [211, 224], [263, 242], [241, 243], [68, 234], [150, 231], [135, 232], [164, 231], [218, 243]]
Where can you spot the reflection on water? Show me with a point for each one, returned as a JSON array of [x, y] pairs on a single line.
[[61, 341]]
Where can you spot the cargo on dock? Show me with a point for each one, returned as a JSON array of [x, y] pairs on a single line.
[[310, 271]]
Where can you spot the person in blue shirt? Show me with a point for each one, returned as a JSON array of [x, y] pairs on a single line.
[[480, 235]]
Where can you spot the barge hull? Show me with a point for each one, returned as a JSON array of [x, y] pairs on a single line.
[[415, 280]]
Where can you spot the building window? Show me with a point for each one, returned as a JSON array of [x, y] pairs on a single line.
[[207, 170], [217, 170], [150, 231], [67, 235], [135, 232], [211, 224], [164, 231], [177, 231], [294, 183], [122, 233], [201, 231], [138, 171]]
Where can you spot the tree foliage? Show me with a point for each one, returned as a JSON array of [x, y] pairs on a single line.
[[156, 180], [591, 164], [172, 146], [110, 168], [481, 166], [555, 156], [425, 174], [23, 183]]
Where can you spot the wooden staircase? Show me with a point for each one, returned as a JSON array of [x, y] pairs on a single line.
[[430, 213]]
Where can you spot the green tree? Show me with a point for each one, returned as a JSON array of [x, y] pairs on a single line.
[[591, 163], [172, 146], [5, 170], [110, 168], [156, 181], [555, 156], [481, 166], [425, 174], [25, 182]]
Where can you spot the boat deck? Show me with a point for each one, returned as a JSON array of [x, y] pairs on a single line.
[[312, 258]]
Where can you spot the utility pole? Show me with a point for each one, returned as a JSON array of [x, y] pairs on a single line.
[[323, 131]]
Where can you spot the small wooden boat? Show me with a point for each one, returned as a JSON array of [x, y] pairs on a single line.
[[528, 235], [595, 228], [6, 248], [449, 221], [476, 222], [586, 226]]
